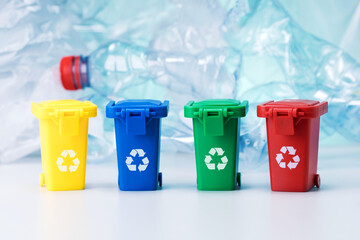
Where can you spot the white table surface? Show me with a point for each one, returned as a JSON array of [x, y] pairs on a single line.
[[179, 210]]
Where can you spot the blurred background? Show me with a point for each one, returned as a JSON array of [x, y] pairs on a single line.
[[180, 51]]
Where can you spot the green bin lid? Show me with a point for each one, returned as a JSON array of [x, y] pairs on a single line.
[[231, 108], [217, 102], [215, 113]]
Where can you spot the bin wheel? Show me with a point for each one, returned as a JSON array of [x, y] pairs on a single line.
[[160, 179], [238, 179], [42, 180], [317, 180]]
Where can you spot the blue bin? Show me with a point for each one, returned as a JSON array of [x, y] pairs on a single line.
[[137, 130]]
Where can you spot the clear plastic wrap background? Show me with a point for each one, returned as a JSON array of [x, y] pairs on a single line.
[[279, 59]]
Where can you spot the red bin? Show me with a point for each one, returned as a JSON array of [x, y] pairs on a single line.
[[293, 141]]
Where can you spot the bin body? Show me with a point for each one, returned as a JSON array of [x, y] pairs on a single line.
[[293, 140], [63, 135], [138, 131], [216, 126]]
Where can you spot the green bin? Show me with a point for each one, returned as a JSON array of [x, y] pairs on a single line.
[[216, 126]]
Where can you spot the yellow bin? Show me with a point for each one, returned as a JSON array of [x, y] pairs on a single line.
[[63, 134]]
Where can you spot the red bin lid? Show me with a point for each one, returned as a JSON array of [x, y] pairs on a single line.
[[295, 107]]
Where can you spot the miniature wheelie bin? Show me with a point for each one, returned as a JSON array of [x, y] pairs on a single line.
[[293, 140], [216, 126]]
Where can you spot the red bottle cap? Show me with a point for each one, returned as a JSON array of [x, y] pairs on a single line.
[[70, 72]]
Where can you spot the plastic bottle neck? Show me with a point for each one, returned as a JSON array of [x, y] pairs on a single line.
[[74, 72]]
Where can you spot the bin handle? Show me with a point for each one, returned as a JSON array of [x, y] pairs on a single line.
[[82, 113], [230, 113], [111, 104], [190, 103], [110, 110]]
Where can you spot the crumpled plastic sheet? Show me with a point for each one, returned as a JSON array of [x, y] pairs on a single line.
[[35, 34], [280, 60]]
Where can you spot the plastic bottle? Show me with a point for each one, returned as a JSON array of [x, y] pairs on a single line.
[[120, 70], [116, 66]]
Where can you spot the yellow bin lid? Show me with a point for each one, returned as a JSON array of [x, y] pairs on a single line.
[[61, 108], [66, 112]]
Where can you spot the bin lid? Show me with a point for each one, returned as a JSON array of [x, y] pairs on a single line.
[[295, 107], [215, 113], [51, 108], [156, 108], [233, 108], [217, 102]]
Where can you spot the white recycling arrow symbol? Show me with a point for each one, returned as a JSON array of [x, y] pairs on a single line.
[[220, 153], [75, 161], [291, 151], [129, 160]]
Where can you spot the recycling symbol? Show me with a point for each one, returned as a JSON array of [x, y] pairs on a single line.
[[220, 153], [288, 151], [60, 161], [129, 160]]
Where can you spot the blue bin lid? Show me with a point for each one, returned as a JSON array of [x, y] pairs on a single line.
[[154, 108]]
